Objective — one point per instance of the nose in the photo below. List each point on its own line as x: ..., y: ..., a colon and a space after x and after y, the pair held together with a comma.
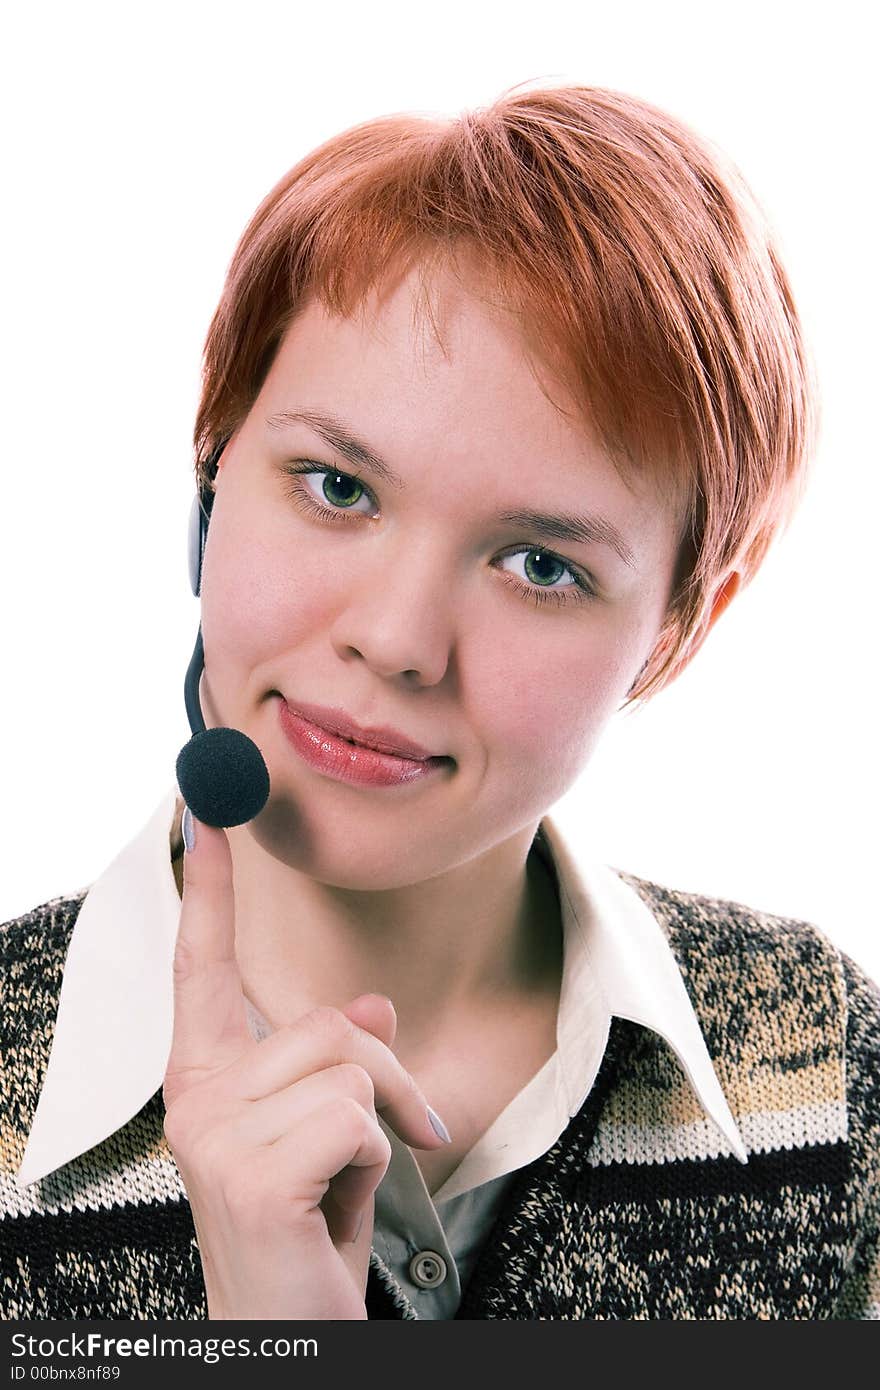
x: 398, y: 618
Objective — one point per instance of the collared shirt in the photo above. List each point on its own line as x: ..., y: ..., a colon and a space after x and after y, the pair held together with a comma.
x: 115, y: 1017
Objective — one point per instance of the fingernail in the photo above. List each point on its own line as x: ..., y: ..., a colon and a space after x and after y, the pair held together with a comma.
x: 438, y: 1126
x: 189, y: 830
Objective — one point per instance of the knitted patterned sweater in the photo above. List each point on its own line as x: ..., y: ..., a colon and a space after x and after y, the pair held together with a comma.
x: 627, y: 1216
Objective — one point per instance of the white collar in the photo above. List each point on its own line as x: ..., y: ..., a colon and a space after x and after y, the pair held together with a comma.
x: 114, y: 1023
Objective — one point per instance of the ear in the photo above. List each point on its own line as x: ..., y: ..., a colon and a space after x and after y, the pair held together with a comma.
x: 725, y: 591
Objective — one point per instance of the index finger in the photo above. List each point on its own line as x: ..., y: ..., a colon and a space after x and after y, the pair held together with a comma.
x: 325, y: 1038
x: 210, y: 1021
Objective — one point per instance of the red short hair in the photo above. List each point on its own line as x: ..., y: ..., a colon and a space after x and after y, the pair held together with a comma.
x: 636, y: 260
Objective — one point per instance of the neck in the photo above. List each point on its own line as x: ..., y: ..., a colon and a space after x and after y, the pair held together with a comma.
x: 477, y: 939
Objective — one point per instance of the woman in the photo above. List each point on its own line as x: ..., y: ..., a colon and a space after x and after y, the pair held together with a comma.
x: 498, y: 415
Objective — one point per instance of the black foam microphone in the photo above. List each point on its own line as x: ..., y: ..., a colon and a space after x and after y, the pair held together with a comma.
x: 221, y: 773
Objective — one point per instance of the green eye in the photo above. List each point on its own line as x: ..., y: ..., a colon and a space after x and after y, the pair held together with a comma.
x: 544, y: 562
x: 336, y: 483
x: 542, y: 570
x: 340, y: 491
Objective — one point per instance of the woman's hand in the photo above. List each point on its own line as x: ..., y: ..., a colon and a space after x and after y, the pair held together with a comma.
x: 277, y: 1141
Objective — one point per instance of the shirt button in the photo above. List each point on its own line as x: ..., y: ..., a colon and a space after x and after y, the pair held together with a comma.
x: 427, y: 1269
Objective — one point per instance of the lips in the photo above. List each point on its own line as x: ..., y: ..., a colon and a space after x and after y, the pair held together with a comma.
x: 381, y: 738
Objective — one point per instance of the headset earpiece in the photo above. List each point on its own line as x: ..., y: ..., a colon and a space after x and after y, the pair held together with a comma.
x: 199, y: 517
x: 195, y: 546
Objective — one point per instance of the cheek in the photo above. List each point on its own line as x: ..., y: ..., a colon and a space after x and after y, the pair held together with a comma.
x: 254, y: 603
x: 543, y: 705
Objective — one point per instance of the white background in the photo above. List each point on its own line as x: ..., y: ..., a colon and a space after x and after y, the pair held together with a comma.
x: 138, y: 142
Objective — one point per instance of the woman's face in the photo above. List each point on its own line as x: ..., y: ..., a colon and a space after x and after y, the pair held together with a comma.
x: 415, y: 603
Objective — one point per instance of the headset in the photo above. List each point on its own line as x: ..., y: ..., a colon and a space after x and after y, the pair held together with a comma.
x: 221, y: 772
x: 199, y: 520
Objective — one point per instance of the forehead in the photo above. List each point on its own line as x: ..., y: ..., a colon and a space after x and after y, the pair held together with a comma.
x: 432, y: 364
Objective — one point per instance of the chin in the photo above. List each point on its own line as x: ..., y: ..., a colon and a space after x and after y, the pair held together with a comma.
x: 339, y: 852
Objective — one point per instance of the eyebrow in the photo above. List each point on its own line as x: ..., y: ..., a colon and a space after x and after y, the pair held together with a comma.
x: 589, y: 529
